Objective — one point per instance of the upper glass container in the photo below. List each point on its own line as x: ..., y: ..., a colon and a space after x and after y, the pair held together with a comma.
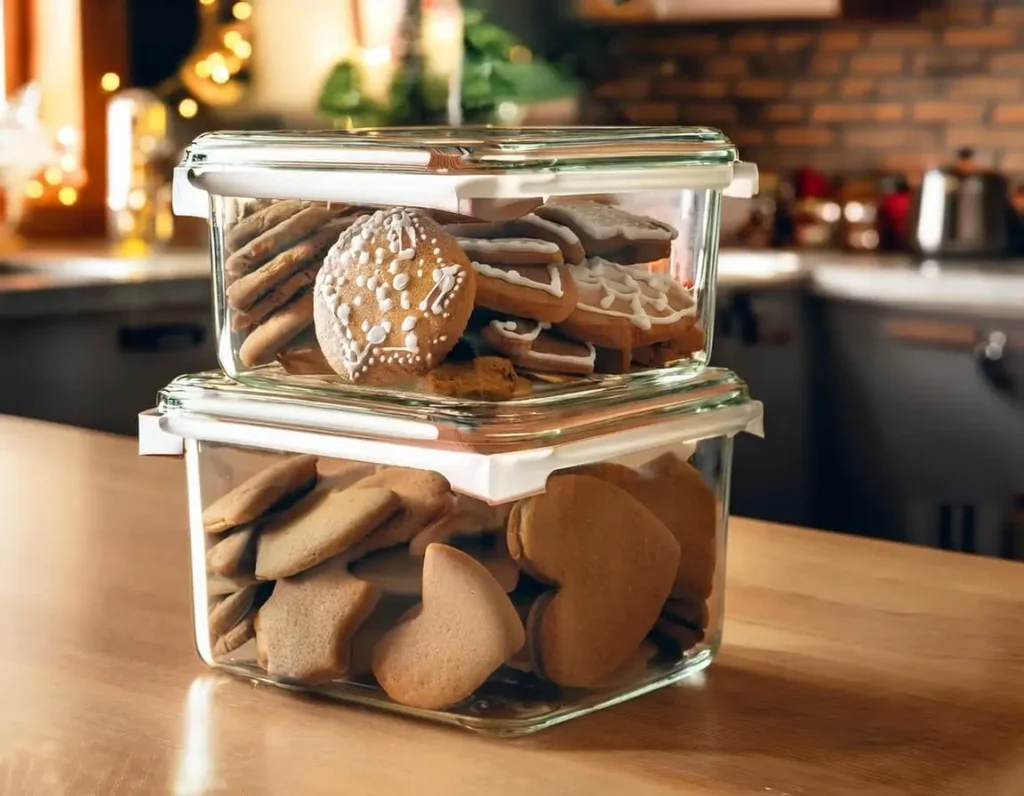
x: 443, y: 265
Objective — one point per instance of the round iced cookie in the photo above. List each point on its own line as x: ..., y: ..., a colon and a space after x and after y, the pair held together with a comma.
x: 393, y: 296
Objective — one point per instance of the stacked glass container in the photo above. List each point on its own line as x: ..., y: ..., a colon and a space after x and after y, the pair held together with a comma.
x: 465, y: 460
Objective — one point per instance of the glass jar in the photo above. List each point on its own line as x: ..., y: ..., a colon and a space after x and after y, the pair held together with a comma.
x: 392, y: 260
x: 502, y: 571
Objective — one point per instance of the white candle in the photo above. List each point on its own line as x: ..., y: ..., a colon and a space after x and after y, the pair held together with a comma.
x: 294, y: 50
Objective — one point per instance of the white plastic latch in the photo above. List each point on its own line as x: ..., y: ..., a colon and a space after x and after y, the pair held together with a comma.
x: 186, y: 198
x: 153, y: 440
x: 744, y: 183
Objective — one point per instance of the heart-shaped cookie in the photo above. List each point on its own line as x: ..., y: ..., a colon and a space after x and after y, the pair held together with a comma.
x: 445, y: 648
x: 613, y: 562
x: 678, y: 495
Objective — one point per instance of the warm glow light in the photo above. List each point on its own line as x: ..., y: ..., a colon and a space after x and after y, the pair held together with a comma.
x: 215, y: 59
x: 109, y: 82
x: 33, y: 189
x: 203, y: 69
x: 68, y: 162
x: 241, y: 10
x: 207, y: 2
x: 67, y: 195
x: 519, y: 54
x: 243, y: 49
x: 376, y: 56
x: 188, y: 107
x: 66, y: 135
x: 136, y: 199
x: 53, y: 175
x: 220, y: 74
x: 232, y: 38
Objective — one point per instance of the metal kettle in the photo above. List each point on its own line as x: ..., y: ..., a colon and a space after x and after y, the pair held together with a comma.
x: 963, y: 210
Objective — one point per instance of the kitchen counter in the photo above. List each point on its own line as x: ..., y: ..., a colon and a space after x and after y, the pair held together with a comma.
x: 899, y: 280
x: 849, y: 667
x: 95, y: 277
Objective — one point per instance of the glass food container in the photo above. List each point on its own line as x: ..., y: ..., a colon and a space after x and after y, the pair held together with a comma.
x: 498, y: 570
x: 393, y: 260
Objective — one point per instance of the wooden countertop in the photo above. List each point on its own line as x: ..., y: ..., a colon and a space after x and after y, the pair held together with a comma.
x: 849, y: 667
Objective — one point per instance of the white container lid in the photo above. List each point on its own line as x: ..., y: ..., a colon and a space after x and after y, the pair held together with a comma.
x: 495, y: 456
x: 473, y: 171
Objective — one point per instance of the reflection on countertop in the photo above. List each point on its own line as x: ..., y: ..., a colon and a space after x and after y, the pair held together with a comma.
x: 99, y: 277
x: 981, y: 286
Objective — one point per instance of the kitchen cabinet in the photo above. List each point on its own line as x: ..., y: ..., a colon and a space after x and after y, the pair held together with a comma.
x: 99, y: 369
x: 697, y: 10
x: 920, y: 424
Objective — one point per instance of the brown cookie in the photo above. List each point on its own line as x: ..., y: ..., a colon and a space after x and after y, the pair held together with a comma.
x: 611, y: 584
x: 259, y: 221
x: 613, y: 360
x: 320, y: 526
x: 305, y: 361
x: 465, y: 516
x: 393, y: 297
x: 278, y: 238
x: 483, y: 378
x: 230, y: 610
x: 660, y: 355
x: 543, y: 292
x: 609, y: 232
x: 511, y: 251
x: 235, y: 637
x: 277, y: 297
x: 257, y: 495
x: 424, y: 495
x: 677, y: 494
x: 304, y: 630
x: 687, y: 611
x: 680, y: 635
x: 531, y: 346
x: 625, y: 306
x: 397, y: 572
x: 528, y: 226
x: 218, y: 585
x: 269, y: 281
x: 633, y: 669
x: 234, y: 555
x: 270, y: 337
x: 444, y: 649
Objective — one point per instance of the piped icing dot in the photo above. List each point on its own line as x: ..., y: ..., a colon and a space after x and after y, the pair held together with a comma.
x: 400, y: 282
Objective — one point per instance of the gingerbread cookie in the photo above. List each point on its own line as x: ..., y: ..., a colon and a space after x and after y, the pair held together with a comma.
x: 278, y: 238
x: 235, y: 637
x: 393, y: 297
x: 270, y: 337
x: 624, y: 306
x: 677, y: 494
x: 660, y: 355
x: 319, y: 527
x: 530, y: 226
x: 230, y: 610
x: 444, y: 649
x: 257, y: 495
x: 260, y: 220
x: 531, y: 346
x: 611, y: 585
x: 398, y: 572
x: 609, y: 232
x: 544, y: 292
x: 218, y: 585
x: 483, y: 378
x: 465, y: 517
x: 304, y: 630
x: 234, y: 555
x: 424, y: 496
x: 511, y: 251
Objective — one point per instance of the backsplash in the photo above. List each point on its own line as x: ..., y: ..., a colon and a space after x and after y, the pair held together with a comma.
x: 838, y: 95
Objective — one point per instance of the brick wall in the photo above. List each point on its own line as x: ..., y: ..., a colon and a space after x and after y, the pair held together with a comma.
x: 840, y: 95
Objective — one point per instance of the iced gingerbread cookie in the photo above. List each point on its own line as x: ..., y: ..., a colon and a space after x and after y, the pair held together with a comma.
x: 614, y: 234
x: 529, y: 226
x: 521, y: 276
x: 531, y: 346
x: 393, y: 296
x: 611, y: 584
x: 624, y: 306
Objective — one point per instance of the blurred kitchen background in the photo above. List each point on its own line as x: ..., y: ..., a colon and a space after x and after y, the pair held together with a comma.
x: 872, y: 295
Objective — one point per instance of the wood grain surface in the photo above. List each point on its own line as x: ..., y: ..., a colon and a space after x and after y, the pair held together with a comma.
x: 849, y: 667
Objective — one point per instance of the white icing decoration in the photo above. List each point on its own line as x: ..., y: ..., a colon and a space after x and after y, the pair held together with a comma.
x: 602, y: 284
x: 409, y: 323
x: 343, y: 312
x: 412, y: 343
x: 400, y: 282
x: 514, y: 277
x: 366, y: 326
x: 371, y: 283
x: 361, y: 280
x: 387, y: 325
x: 381, y: 292
x: 603, y: 221
x: 515, y: 245
x: 444, y: 283
x: 387, y: 305
x: 508, y: 329
x: 419, y: 271
x: 364, y: 258
x: 406, y: 254
x: 393, y: 268
x: 562, y: 231
x: 406, y: 303
x: 357, y: 301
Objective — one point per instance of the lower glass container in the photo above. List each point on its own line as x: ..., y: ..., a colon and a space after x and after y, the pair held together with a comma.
x: 381, y: 571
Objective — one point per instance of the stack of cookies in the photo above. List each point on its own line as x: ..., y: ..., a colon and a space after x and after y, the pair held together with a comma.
x: 332, y: 571
x: 563, y: 292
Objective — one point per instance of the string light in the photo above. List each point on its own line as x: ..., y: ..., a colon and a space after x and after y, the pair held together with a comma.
x: 188, y: 107
x: 33, y: 189
x: 241, y: 10
x: 243, y: 49
x: 220, y: 74
x: 232, y: 38
x: 68, y: 162
x: 66, y: 135
x: 111, y: 81
x: 67, y: 195
x: 203, y: 69
x: 53, y: 175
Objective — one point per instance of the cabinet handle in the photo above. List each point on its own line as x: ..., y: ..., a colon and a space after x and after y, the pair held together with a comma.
x: 160, y: 337
x: 990, y: 356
